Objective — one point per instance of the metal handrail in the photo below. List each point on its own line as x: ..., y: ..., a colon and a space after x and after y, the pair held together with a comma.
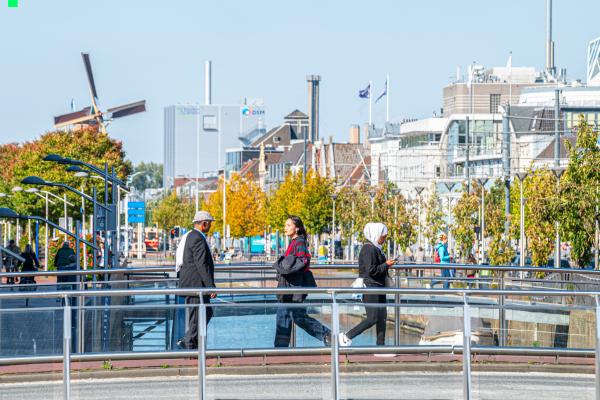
x: 257, y: 267
x: 12, y: 254
x: 335, y: 349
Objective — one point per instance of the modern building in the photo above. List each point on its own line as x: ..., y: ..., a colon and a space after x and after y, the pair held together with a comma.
x: 196, y: 136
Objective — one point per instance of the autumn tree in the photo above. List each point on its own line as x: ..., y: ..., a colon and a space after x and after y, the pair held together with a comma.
x: 435, y: 219
x: 540, y: 215
x: 21, y: 160
x: 172, y: 211
x: 245, y: 213
x: 580, y: 193
x: 285, y: 200
x: 316, y: 203
x: 465, y: 214
x: 500, y: 250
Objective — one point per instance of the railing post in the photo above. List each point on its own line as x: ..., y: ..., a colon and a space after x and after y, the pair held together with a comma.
x: 67, y: 349
x: 397, y: 310
x: 597, y: 348
x: 335, y: 347
x: 201, y: 348
x: 466, y: 349
x: 501, y: 315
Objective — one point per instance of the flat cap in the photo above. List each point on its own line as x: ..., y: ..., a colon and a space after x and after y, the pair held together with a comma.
x: 202, y: 216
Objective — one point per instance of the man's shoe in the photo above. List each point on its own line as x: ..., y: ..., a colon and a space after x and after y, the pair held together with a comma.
x: 327, y: 339
x: 181, y: 344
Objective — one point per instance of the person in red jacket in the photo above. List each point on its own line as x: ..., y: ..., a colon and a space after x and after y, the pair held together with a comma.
x: 293, y: 270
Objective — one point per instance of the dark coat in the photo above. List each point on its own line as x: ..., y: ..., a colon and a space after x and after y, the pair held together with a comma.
x: 63, y: 257
x: 31, y: 262
x: 198, y: 269
x: 372, y: 266
x: 293, y: 271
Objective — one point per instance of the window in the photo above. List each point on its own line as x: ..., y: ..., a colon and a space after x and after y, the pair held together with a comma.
x: 494, y: 103
x: 209, y: 122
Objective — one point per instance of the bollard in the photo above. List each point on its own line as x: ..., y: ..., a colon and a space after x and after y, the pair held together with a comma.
x: 201, y: 348
x: 466, y: 349
x: 335, y: 347
x: 67, y: 349
x: 397, y: 310
x: 597, y: 348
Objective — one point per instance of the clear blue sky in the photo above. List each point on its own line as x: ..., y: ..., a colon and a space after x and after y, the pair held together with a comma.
x: 155, y: 50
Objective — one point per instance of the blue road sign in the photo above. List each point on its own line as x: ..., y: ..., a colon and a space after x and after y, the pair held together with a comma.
x: 136, y: 212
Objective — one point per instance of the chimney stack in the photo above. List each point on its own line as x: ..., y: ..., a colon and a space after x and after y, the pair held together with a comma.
x: 313, y: 107
x: 355, y: 134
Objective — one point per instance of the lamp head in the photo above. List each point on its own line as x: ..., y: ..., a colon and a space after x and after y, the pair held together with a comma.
x: 53, y: 158
x: 8, y: 213
x: 33, y: 180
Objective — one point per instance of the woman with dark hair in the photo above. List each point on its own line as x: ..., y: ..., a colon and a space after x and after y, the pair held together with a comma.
x: 293, y: 270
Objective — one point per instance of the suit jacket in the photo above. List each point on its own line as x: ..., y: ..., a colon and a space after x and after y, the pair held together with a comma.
x: 198, y: 269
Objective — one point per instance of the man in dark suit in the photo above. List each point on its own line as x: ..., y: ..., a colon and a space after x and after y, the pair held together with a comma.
x: 197, y: 271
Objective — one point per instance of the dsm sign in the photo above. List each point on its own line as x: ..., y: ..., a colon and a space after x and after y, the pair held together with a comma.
x: 252, y: 111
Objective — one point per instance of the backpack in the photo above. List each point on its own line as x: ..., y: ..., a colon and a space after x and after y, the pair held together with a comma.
x: 436, y: 256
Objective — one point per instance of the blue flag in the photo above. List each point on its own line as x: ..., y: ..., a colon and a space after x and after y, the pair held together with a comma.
x: 365, y: 93
x: 383, y: 93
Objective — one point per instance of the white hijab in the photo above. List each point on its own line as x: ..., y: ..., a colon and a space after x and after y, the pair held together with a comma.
x: 373, y: 231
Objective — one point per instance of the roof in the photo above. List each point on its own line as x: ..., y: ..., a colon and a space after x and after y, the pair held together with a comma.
x: 548, y: 152
x: 286, y: 133
x: 296, y: 114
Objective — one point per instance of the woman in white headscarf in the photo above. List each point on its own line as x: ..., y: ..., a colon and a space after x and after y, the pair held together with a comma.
x: 373, y: 269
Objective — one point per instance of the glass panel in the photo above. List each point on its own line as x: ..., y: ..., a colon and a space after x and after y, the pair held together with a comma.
x: 363, y: 376
x: 264, y: 325
x: 29, y: 328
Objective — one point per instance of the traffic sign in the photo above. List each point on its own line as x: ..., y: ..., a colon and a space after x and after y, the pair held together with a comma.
x: 136, y: 212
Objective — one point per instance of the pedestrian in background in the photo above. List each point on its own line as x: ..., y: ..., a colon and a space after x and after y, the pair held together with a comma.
x: 373, y: 269
x: 197, y: 271
x: 12, y: 263
x: 441, y: 253
x: 31, y: 264
x: 293, y: 270
x: 65, y: 260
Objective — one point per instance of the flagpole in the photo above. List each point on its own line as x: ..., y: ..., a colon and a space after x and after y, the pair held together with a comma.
x: 387, y: 99
x: 370, y: 100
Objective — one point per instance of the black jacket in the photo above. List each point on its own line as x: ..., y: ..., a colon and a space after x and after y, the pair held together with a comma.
x: 31, y: 262
x: 371, y: 265
x: 198, y: 269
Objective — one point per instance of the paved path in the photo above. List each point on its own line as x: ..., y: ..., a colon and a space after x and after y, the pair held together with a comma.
x: 430, y: 386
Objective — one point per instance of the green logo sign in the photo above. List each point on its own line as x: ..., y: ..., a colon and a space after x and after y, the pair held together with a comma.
x: 13, y: 3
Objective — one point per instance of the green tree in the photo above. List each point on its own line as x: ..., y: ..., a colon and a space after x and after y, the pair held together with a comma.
x: 285, y: 200
x: 435, y: 221
x: 316, y: 200
x: 579, y: 193
x: 172, y: 211
x: 151, y: 176
x: 540, y: 215
x: 352, y: 211
x: 500, y: 250
x: 465, y: 220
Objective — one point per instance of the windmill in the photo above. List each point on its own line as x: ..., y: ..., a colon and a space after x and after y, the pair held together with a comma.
x: 92, y: 115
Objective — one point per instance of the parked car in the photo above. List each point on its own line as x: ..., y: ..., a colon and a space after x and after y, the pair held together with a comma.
x: 564, y: 263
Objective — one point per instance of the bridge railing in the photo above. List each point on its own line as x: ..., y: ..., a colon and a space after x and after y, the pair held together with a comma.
x: 466, y: 311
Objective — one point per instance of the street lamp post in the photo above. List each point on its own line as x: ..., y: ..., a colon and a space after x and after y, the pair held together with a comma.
x: 558, y: 172
x: 482, y: 182
x: 34, y: 180
x: 521, y: 176
x: 333, y: 197
x: 419, y: 190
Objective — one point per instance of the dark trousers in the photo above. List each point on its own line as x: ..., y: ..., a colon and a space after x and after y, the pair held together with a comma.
x: 375, y: 316
x: 190, y: 340
x: 286, y: 316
